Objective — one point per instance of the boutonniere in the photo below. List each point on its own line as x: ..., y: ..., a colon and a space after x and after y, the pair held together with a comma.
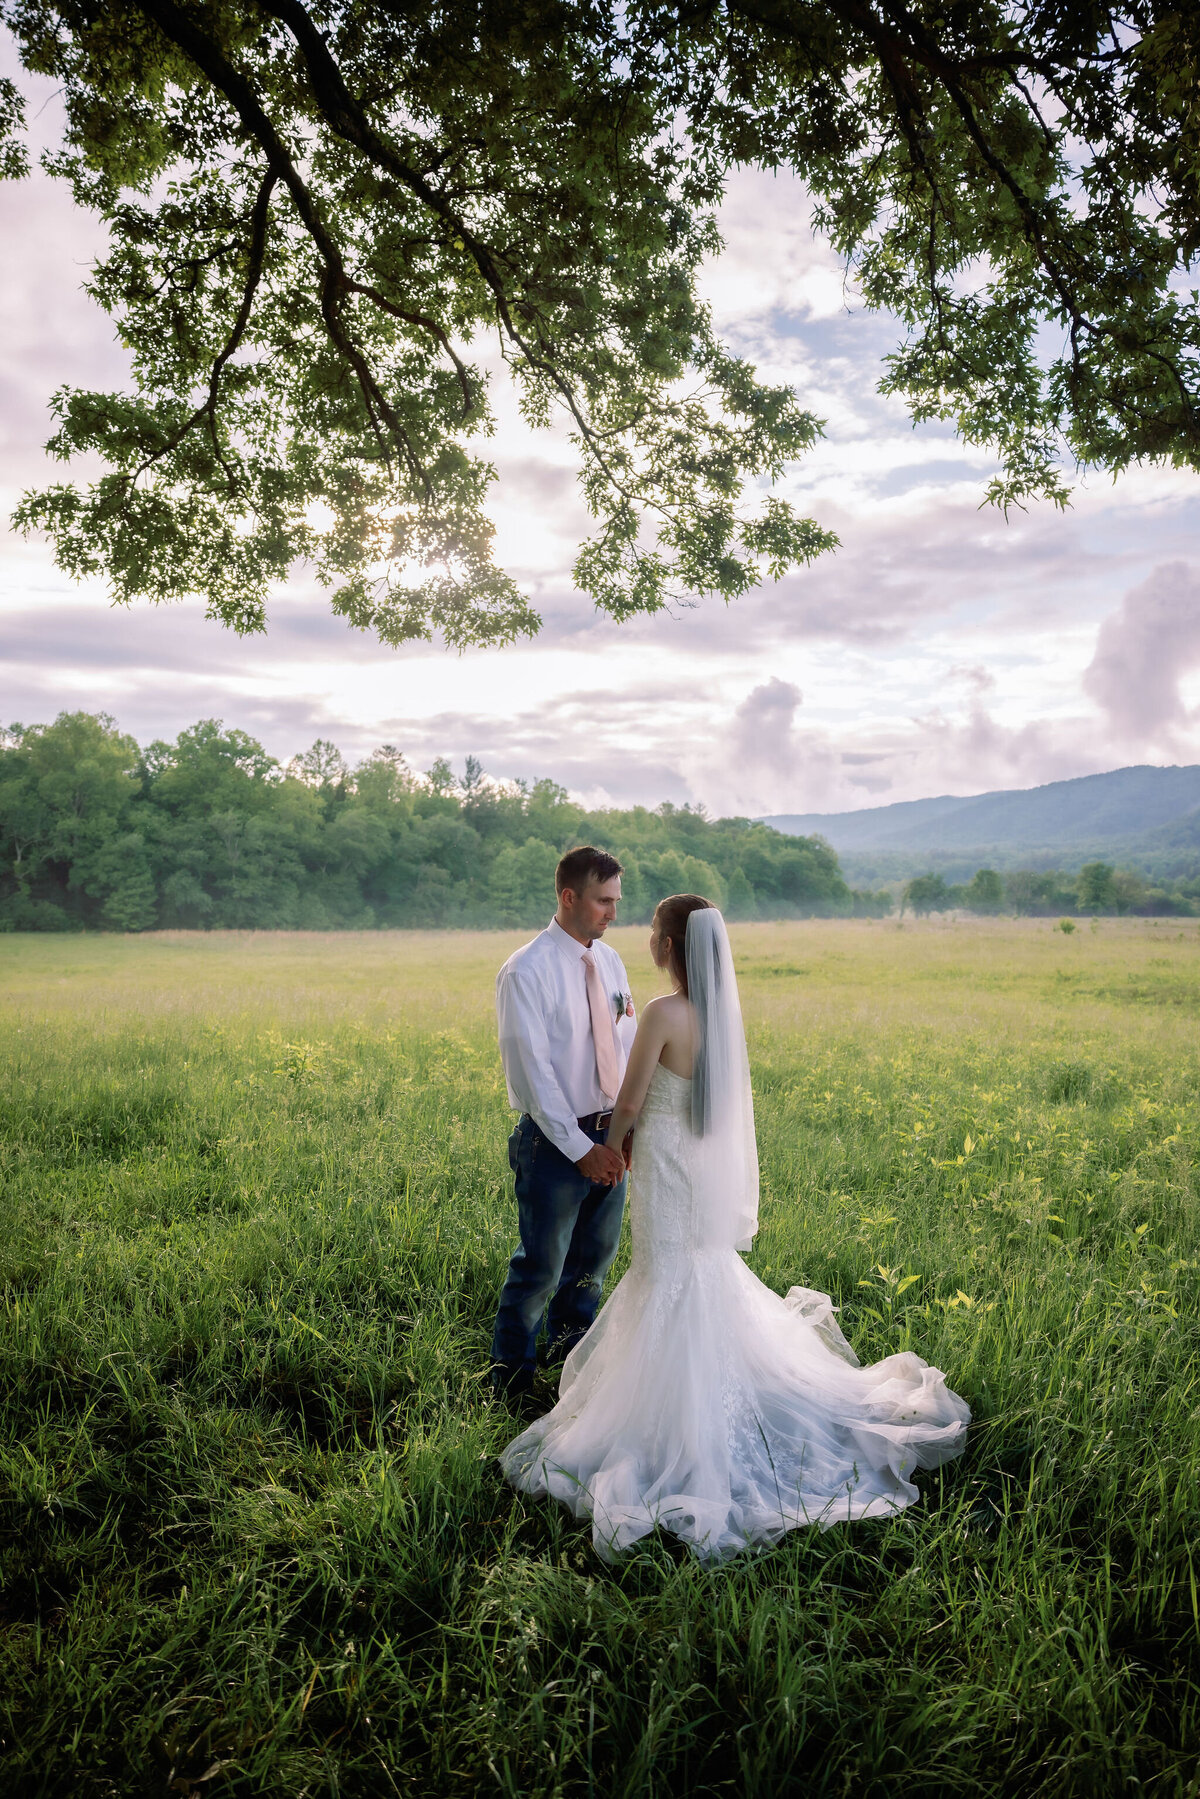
x: 623, y: 1006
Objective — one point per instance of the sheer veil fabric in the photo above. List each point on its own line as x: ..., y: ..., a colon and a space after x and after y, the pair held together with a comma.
x: 700, y: 1401
x: 724, y: 1169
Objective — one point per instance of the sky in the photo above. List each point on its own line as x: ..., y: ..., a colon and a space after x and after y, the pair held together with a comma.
x: 941, y: 649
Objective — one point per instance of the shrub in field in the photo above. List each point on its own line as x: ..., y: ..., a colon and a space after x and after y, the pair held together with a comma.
x: 928, y: 893
x: 1068, y: 1081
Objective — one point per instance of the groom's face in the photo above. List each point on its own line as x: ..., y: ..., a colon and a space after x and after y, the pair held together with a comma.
x: 594, y: 907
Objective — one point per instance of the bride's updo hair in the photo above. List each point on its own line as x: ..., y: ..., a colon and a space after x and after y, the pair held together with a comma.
x: 671, y: 916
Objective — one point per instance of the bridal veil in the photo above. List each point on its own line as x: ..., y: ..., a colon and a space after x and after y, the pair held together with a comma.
x: 725, y: 1155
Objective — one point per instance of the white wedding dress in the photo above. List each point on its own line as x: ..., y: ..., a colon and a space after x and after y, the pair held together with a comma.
x: 702, y: 1402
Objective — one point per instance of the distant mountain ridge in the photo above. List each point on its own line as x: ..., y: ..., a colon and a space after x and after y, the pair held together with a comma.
x: 1146, y: 815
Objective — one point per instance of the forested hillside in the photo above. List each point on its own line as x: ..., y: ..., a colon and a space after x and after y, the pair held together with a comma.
x: 210, y: 831
x: 1147, y: 818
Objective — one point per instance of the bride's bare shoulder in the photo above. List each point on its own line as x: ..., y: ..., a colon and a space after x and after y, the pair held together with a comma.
x: 667, y: 1006
x: 670, y: 1013
x: 672, y: 1032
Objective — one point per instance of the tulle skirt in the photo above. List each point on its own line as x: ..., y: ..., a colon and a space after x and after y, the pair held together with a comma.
x: 702, y: 1402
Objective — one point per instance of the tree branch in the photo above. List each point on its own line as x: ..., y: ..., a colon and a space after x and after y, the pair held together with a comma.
x: 181, y: 30
x: 424, y: 323
x: 346, y: 117
x: 258, y: 245
x: 913, y: 40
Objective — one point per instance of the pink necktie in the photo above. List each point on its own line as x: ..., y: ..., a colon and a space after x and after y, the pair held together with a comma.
x: 600, y: 1007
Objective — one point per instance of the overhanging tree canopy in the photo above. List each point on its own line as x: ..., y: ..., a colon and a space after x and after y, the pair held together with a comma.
x: 320, y: 214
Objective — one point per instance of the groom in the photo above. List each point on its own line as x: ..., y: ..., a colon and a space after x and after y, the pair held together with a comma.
x: 566, y: 1023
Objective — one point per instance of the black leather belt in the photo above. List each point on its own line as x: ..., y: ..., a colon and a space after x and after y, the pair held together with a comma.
x: 595, y: 1121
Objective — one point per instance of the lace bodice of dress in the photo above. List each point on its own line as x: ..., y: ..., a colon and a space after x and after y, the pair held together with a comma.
x: 660, y: 1187
x: 668, y: 1092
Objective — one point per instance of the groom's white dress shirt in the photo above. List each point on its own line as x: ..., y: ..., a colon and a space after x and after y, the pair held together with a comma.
x: 546, y: 1041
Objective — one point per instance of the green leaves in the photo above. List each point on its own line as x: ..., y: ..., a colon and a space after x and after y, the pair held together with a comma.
x: 318, y: 219
x: 310, y: 230
x: 14, y: 159
x: 210, y: 831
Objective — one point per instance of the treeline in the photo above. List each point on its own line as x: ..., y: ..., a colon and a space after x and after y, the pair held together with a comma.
x: 212, y: 832
x: 1098, y: 888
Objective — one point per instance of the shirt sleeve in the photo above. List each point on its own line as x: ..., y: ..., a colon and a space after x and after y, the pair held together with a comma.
x: 525, y: 1053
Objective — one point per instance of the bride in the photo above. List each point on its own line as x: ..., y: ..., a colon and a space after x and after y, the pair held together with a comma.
x: 699, y: 1400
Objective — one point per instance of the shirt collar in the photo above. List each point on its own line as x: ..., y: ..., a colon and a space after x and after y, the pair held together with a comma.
x: 570, y: 946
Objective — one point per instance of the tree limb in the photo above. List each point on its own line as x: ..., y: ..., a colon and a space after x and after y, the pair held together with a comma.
x: 258, y: 244
x: 346, y: 117
x: 181, y: 30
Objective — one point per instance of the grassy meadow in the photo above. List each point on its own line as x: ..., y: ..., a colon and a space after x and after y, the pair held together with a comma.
x: 256, y: 1214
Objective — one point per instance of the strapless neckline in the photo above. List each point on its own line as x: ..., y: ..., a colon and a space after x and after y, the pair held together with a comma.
x: 684, y: 1079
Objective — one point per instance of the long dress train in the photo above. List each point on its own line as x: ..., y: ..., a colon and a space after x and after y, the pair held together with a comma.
x: 702, y: 1402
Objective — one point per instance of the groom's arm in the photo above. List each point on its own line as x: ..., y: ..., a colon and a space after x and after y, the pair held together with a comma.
x: 525, y: 1053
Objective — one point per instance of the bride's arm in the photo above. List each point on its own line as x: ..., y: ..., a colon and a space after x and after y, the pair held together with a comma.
x: 643, y: 1059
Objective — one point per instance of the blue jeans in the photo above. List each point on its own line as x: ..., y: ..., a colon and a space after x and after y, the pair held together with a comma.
x: 570, y: 1228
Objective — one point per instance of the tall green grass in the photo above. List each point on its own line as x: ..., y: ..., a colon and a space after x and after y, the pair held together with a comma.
x: 255, y: 1218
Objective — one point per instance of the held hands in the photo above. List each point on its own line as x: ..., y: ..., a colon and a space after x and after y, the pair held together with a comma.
x: 602, y: 1164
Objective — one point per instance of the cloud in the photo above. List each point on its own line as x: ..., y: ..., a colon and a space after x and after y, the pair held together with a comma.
x: 625, y: 755
x: 765, y: 760
x: 760, y: 751
x: 54, y: 335
x: 974, y: 676
x: 763, y: 725
x: 178, y: 639
x: 773, y: 260
x: 1142, y: 651
x: 631, y: 742
x: 896, y: 573
x: 978, y: 751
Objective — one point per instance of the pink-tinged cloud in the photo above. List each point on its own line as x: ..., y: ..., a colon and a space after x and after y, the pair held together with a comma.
x: 1142, y: 652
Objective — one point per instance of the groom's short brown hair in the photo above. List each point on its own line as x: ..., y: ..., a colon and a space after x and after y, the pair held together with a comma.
x: 586, y: 863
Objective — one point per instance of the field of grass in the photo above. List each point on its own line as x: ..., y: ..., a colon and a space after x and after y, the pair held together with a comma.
x: 255, y: 1218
